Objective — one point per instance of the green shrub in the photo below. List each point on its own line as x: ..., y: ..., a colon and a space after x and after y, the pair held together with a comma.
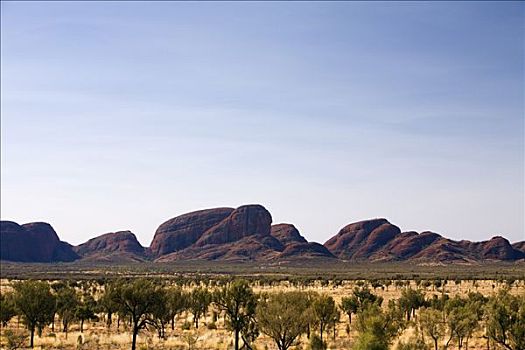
x: 413, y: 343
x: 316, y: 343
x: 15, y: 340
x: 367, y: 341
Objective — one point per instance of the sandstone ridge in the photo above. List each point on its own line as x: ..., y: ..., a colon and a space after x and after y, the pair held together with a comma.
x: 246, y: 233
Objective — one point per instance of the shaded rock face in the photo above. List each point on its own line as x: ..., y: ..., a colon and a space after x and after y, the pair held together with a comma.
x: 184, y: 230
x: 213, y: 234
x: 122, y: 245
x: 443, y: 250
x: 360, y: 240
x: 408, y: 244
x: 287, y: 234
x: 446, y: 250
x: 519, y: 246
x: 34, y: 242
x: 497, y: 248
x: 246, y: 234
x: 294, y: 245
x: 306, y: 250
x: 378, y: 240
x: 244, y: 221
x: 249, y: 248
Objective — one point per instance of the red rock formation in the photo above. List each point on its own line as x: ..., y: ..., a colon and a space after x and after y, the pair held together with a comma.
x: 378, y: 240
x: 244, y: 221
x: 443, y: 250
x: 519, y: 246
x: 184, y: 230
x: 497, y: 248
x: 246, y: 234
x: 115, y: 246
x: 360, y: 240
x: 287, y: 234
x: 249, y: 248
x: 34, y: 242
x: 223, y: 233
x: 305, y: 250
x: 408, y: 244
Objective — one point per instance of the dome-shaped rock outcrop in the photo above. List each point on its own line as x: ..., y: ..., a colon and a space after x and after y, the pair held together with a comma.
x: 33, y: 242
x: 184, y: 230
x: 113, y: 246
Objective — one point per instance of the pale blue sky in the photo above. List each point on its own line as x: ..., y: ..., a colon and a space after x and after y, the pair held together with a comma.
x: 120, y: 115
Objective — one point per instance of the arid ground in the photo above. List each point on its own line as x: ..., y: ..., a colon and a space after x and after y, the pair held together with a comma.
x: 387, y: 283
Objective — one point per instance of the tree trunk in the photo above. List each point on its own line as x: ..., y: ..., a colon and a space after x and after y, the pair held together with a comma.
x: 173, y: 323
x: 31, y: 341
x: 308, y: 331
x: 81, y: 325
x: 134, y: 341
x: 435, y: 344
x: 321, y: 328
x: 236, y: 340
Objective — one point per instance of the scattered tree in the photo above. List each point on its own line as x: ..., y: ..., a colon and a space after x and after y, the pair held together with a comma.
x: 239, y: 303
x: 36, y: 304
x: 360, y: 297
x: 324, y: 311
x: 67, y: 306
x: 432, y: 324
x: 282, y: 317
x: 7, y: 308
x: 377, y: 328
x: 137, y: 299
x: 199, y: 301
x: 85, y: 311
x: 176, y: 303
x: 107, y: 304
x: 506, y: 320
x: 410, y: 301
x: 160, y: 313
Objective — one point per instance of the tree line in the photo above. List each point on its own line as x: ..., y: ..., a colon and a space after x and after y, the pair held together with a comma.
x: 440, y: 321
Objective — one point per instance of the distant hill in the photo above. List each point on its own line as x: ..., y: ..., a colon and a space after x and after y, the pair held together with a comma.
x: 247, y: 234
x: 119, y: 246
x: 34, y: 242
x: 379, y: 240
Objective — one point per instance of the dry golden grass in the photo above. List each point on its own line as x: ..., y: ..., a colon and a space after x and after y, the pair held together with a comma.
x: 97, y: 336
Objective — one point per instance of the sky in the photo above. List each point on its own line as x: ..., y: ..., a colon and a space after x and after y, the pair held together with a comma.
x: 121, y: 115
